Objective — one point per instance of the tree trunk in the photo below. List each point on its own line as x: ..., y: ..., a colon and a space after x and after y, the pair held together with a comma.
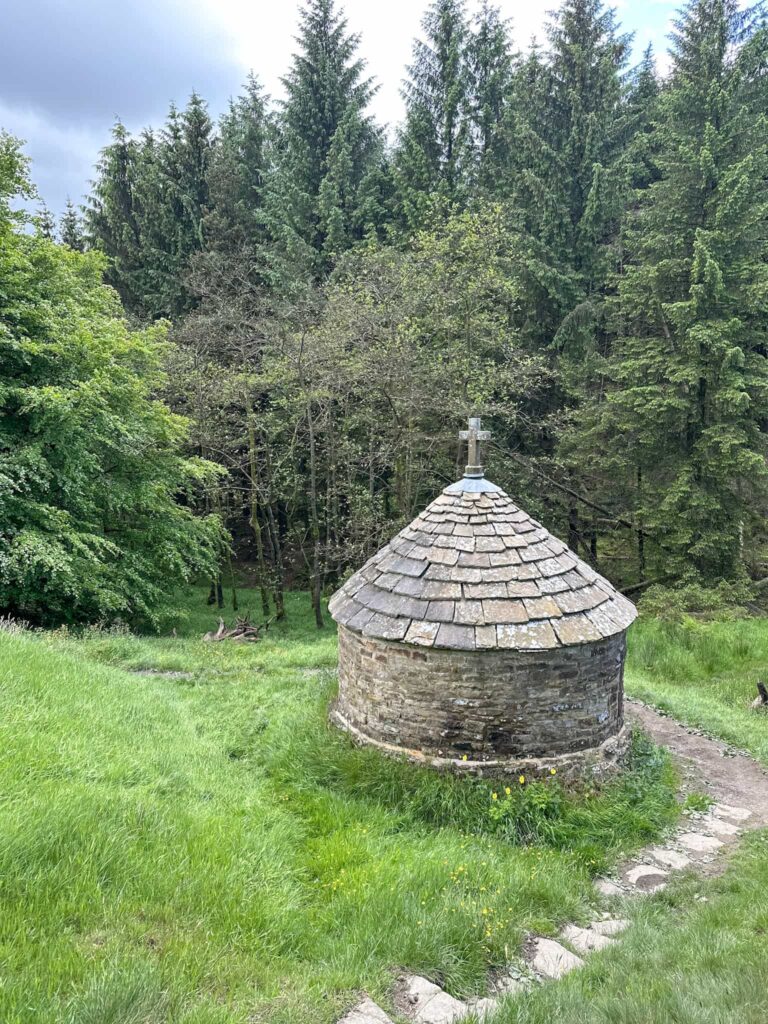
x: 254, y: 508
x: 316, y: 581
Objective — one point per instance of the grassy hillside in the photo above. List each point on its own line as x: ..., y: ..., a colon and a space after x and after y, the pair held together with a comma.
x: 705, y: 674
x: 203, y: 848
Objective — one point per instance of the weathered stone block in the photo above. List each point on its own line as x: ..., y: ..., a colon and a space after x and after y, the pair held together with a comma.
x: 495, y: 703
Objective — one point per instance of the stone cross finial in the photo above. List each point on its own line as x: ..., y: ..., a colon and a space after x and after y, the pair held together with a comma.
x: 474, y: 436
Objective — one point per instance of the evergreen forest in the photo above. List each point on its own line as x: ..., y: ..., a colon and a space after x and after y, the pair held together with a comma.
x: 256, y: 341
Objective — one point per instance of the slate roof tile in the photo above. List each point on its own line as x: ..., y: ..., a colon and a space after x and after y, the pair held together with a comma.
x: 474, y: 572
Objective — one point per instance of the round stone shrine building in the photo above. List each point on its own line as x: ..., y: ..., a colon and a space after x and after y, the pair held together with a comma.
x: 476, y: 640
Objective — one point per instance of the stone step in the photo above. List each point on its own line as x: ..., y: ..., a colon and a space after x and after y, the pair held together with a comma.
x: 366, y: 1012
x: 669, y: 858
x: 610, y: 926
x: 484, y: 1008
x: 719, y: 826
x: 699, y: 843
x: 427, y: 1003
x: 728, y: 811
x: 551, y: 960
x: 511, y: 983
x: 584, y: 940
x: 607, y: 887
x: 646, y: 879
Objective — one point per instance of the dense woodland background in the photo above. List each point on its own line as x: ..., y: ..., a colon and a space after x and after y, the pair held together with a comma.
x: 566, y: 245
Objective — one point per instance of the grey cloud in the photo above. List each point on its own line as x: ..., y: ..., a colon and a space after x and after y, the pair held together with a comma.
x: 85, y: 60
x: 69, y: 67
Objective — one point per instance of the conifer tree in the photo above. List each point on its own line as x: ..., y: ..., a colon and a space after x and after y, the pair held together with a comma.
x: 146, y: 210
x: 71, y: 228
x: 489, y: 68
x: 324, y: 133
x: 587, y: 58
x: 111, y: 221
x: 45, y: 223
x: 237, y: 174
x: 691, y: 371
x: 640, y: 110
x: 180, y: 173
x: 434, y: 152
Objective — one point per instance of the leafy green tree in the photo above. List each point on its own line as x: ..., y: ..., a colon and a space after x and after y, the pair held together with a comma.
x: 95, y: 503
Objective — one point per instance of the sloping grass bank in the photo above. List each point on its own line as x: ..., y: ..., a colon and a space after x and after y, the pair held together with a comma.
x: 201, y: 849
x: 705, y: 674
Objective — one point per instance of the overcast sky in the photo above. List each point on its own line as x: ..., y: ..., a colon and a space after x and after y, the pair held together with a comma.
x: 70, y: 67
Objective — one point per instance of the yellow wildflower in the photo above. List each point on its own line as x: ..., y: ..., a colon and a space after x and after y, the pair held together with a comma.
x: 522, y: 779
x: 553, y: 771
x: 495, y: 796
x: 508, y: 791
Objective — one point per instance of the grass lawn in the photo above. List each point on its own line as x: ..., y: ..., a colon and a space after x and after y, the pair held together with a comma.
x: 204, y: 848
x: 686, y: 960
x: 705, y: 674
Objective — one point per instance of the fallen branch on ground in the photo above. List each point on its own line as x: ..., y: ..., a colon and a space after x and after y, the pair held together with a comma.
x: 242, y: 632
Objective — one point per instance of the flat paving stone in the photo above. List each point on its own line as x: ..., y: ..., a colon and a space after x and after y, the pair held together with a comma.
x: 366, y: 1012
x: 669, y: 858
x: 610, y: 926
x: 729, y: 811
x: 483, y: 1008
x: 608, y: 888
x: 719, y: 826
x: 511, y: 984
x: 552, y: 960
x: 646, y: 878
x: 699, y: 843
x: 584, y: 940
x: 429, y: 1004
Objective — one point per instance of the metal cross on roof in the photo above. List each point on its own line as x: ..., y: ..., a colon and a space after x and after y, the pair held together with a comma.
x: 474, y: 436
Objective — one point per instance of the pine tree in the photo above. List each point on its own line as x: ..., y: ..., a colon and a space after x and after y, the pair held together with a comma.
x: 183, y: 158
x: 325, y: 133
x: 434, y: 151
x: 489, y: 68
x: 343, y: 188
x: 111, y: 222
x: 691, y: 371
x: 640, y: 110
x: 71, y: 228
x: 45, y: 223
x: 237, y: 174
x: 587, y: 58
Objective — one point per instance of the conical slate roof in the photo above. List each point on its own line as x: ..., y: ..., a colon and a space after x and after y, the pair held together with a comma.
x: 475, y: 572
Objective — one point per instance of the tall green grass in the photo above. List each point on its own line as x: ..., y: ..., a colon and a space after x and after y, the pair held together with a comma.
x: 697, y: 954
x: 207, y: 849
x: 704, y: 673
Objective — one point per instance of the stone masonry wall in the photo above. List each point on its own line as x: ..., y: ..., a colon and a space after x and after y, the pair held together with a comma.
x: 482, y: 704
